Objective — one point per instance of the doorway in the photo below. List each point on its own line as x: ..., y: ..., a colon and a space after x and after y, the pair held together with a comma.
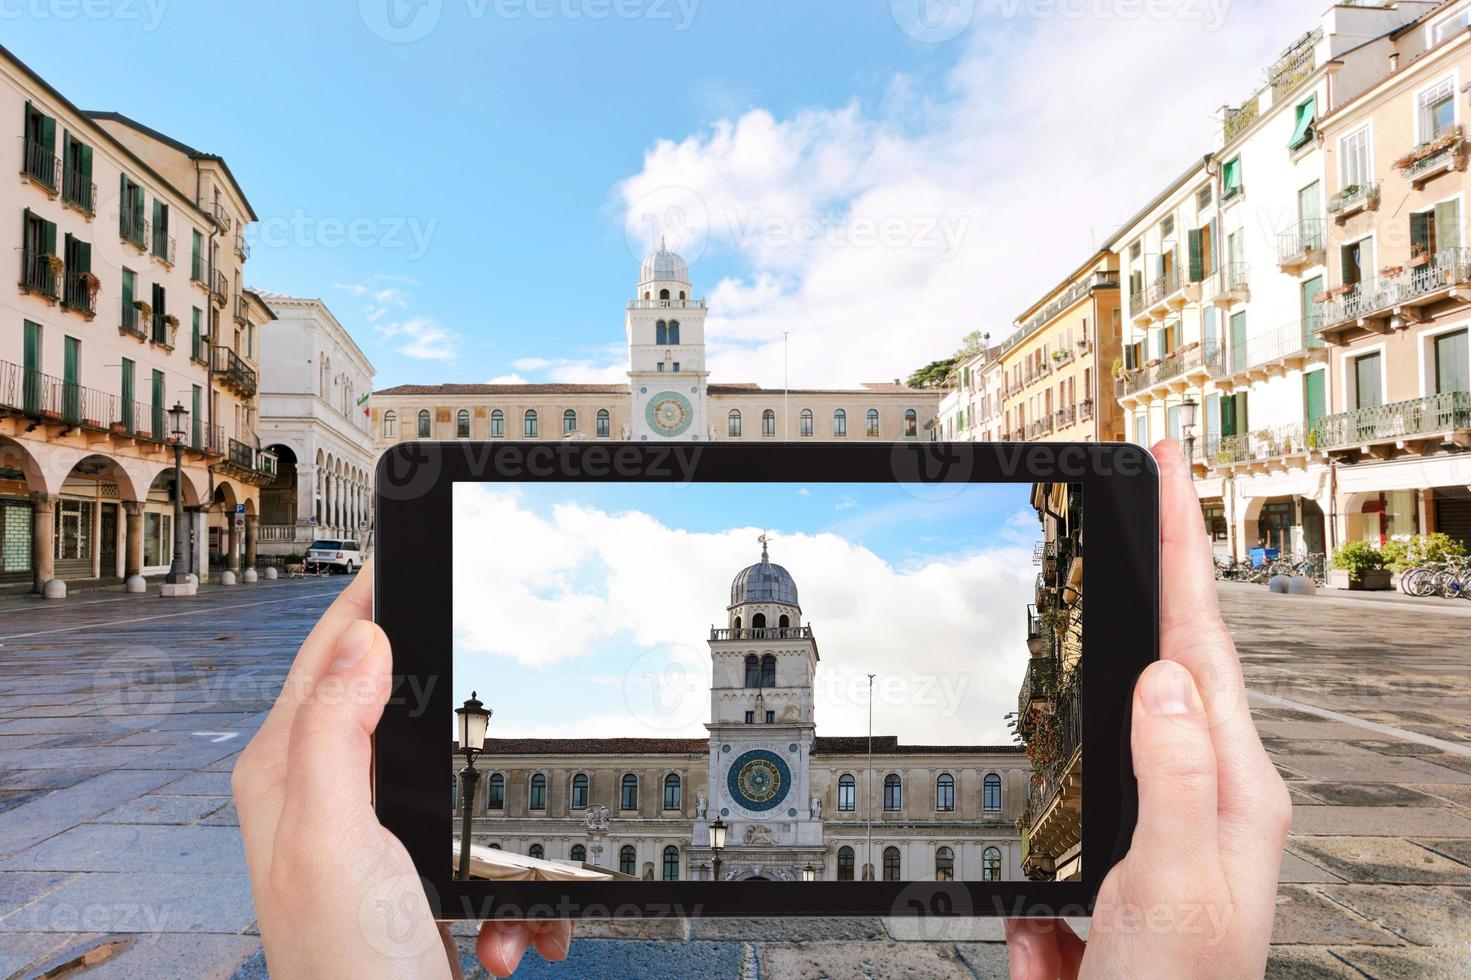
x: 107, y: 543
x: 1274, y: 526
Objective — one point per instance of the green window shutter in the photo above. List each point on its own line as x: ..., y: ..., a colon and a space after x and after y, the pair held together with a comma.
x: 1348, y: 270
x: 196, y: 416
x: 48, y: 133
x: 32, y: 346
x: 122, y: 203
x: 1314, y: 396
x: 50, y: 240
x: 1212, y: 416
x: 127, y: 380
x: 85, y: 153
x: 1242, y: 419
x: 1307, y: 112
x: 127, y: 288
x: 157, y: 213
x: 1447, y: 226
x: 1451, y: 363
x: 1420, y: 230
x: 1197, y: 256
x: 71, y: 361
x: 1131, y: 361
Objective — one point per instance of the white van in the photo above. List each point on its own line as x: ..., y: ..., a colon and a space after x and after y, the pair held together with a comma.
x: 333, y: 554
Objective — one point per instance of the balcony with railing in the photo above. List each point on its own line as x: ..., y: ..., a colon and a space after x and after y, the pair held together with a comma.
x: 133, y: 229
x: 1294, y: 67
x: 1300, y: 246
x: 1039, y: 427
x: 162, y: 246
x: 242, y: 247
x: 763, y: 633
x: 79, y: 292
x: 1271, y: 354
x: 131, y: 322
x: 78, y: 191
x: 1353, y: 199
x: 1050, y: 821
x: 1085, y: 410
x: 1434, y: 419
x: 164, y: 329
x: 1232, y: 284
x: 1065, y: 417
x: 39, y: 165
x: 1158, y: 296
x: 1260, y: 448
x: 241, y: 454
x: 1441, y: 155
x: 1193, y: 363
x: 199, y: 349
x: 220, y: 214
x: 219, y: 292
x: 1397, y: 295
x: 666, y: 304
x: 1103, y: 279
x: 39, y: 273
x: 231, y: 370
x: 57, y: 401
x: 1038, y: 684
x: 242, y: 311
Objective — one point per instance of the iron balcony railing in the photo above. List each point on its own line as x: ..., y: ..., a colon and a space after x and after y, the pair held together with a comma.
x: 241, y: 455
x: 131, y: 323
x: 1354, y: 197
x: 242, y: 311
x: 265, y: 462
x: 196, y: 269
x: 40, y: 164
x: 199, y: 348
x: 1234, y: 276
x: 220, y: 291
x: 221, y: 216
x: 1408, y: 286
x: 242, y: 247
x: 133, y: 228
x: 1454, y: 146
x: 1074, y: 292
x: 666, y: 304
x: 1048, y: 773
x: 1039, y: 427
x: 1065, y: 417
x: 763, y: 633
x: 1432, y: 414
x: 79, y: 191
x: 37, y: 273
x: 1156, y: 291
x: 51, y: 399
x: 232, y: 369
x: 1206, y: 359
x: 1297, y: 243
x: 1260, y: 445
x: 78, y: 294
x: 163, y: 245
x: 1296, y: 337
x: 1038, y: 684
x: 1085, y: 410
x: 163, y: 330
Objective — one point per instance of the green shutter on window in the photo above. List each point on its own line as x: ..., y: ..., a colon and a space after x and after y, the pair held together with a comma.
x: 1348, y: 269
x: 1307, y: 113
x: 1228, y: 416
x: 1231, y: 176
x: 48, y: 133
x: 1314, y: 396
x: 1447, y: 226
x: 49, y: 244
x: 1197, y: 256
x: 85, y: 157
x: 83, y: 257
x: 1420, y: 231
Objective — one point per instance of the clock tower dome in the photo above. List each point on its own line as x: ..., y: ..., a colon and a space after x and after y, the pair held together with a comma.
x: 666, y: 353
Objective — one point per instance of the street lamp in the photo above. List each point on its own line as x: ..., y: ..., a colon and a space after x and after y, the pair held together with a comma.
x: 1187, y: 423
x: 809, y: 873
x: 177, y: 415
x: 474, y: 719
x: 717, y: 843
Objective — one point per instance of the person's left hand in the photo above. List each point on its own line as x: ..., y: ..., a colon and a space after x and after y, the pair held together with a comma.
x: 335, y: 893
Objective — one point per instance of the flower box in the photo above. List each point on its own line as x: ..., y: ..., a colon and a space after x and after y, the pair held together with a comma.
x: 119, y: 428
x: 91, y: 424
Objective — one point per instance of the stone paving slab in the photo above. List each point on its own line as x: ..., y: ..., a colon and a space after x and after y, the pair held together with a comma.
x: 1380, y: 859
x: 200, y: 784
x: 19, y: 952
x: 164, y: 810
x: 52, y: 814
x: 135, y: 848
x: 200, y: 957
x: 1305, y: 915
x: 1406, y: 964
x: 151, y: 903
x: 1425, y: 916
x: 1382, y: 821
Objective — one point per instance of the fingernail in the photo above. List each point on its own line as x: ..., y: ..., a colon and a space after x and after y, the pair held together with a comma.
x: 512, y: 942
x: 1169, y: 691
x: 1020, y: 961
x: 352, y: 646
x: 556, y: 942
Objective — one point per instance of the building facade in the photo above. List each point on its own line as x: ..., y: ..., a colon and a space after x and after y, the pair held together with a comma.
x: 850, y: 807
x: 669, y: 395
x: 314, y: 416
x: 113, y: 323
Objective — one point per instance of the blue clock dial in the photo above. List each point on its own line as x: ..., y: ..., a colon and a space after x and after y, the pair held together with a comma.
x: 759, y: 780
x: 669, y: 413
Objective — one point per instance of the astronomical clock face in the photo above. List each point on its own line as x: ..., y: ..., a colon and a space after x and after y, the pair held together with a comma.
x: 669, y: 413
x: 759, y: 780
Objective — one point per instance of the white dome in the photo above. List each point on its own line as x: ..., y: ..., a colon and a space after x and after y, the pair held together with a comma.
x: 664, y: 265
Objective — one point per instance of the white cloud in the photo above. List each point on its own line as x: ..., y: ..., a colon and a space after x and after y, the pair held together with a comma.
x: 507, y: 379
x: 420, y: 338
x: 945, y: 207
x: 596, y: 593
x: 603, y: 365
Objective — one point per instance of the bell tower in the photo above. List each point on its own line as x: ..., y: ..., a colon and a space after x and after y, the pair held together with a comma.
x: 665, y: 325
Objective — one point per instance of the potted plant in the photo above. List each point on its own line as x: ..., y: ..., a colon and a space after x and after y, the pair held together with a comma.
x: 1359, y: 565
x: 1390, y: 271
x: 171, y: 321
x: 118, y: 428
x: 1118, y: 367
x: 1057, y: 355
x: 54, y: 263
x: 144, y: 308
x: 1323, y: 296
x: 1419, y: 255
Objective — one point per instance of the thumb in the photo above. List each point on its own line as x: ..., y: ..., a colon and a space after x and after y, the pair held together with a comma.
x: 330, y: 753
x: 1175, y: 765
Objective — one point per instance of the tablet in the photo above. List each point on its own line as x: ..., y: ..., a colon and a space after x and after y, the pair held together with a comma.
x: 732, y: 680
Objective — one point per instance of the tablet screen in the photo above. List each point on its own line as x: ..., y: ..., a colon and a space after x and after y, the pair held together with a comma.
x: 768, y: 682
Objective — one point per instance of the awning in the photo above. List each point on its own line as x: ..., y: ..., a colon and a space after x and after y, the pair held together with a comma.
x: 1307, y: 114
x: 494, y: 864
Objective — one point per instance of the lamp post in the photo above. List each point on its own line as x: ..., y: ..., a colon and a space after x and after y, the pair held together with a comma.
x: 1187, y: 424
x: 717, y: 843
x: 177, y: 575
x: 474, y: 719
x: 809, y: 873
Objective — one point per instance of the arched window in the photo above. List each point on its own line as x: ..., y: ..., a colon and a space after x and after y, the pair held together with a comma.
x: 733, y: 424
x: 605, y: 424
x: 539, y: 792
x: 628, y: 799
x: 768, y: 423
x: 497, y: 424
x: 804, y: 425
x: 891, y: 864
x: 424, y: 423
x: 674, y: 332
x: 671, y: 863
x: 871, y: 423
x: 753, y: 671
x: 991, y: 864
x: 671, y: 792
x: 569, y: 422
x: 661, y: 333
x: 529, y: 424
x: 768, y: 670
x: 784, y: 621
x: 579, y: 792
x: 845, y: 864
x: 462, y: 424
x: 663, y: 294
x: 944, y: 864
x: 991, y: 793
x: 893, y: 792
x: 840, y: 423
x: 579, y: 853
x: 390, y: 424
x: 495, y: 792
x: 758, y: 621
x: 945, y: 793
x: 911, y: 423
x: 627, y: 860
x: 536, y: 851
x: 495, y: 847
x: 681, y: 294
x: 847, y: 793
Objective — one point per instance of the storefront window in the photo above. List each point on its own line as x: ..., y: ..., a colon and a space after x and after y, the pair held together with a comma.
x: 15, y: 536
x: 73, y: 529
x: 157, y: 539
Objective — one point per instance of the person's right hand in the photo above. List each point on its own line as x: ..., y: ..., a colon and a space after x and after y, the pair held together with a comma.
x: 1196, y: 894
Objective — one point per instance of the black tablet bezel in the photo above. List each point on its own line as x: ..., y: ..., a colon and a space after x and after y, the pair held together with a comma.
x: 413, y: 604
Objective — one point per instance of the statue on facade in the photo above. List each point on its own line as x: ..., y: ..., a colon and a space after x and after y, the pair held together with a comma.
x: 596, y: 819
x: 815, y: 805
x: 701, y: 805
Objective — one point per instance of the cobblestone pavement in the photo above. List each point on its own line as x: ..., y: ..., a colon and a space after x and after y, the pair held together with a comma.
x: 120, y: 718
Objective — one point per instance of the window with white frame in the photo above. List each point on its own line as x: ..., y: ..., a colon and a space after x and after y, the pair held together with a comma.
x: 1437, y: 109
x: 1458, y: 20
x: 1355, y: 162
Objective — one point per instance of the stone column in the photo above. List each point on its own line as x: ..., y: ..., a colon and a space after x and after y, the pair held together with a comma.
x: 43, y: 540
x: 200, y: 523
x: 232, y: 557
x: 250, y: 532
x: 133, y: 549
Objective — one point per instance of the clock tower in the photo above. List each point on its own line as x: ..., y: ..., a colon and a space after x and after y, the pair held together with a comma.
x: 762, y: 729
x: 666, y: 353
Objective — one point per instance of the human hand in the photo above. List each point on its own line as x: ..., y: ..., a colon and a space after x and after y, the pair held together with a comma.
x: 335, y: 893
x: 1196, y: 894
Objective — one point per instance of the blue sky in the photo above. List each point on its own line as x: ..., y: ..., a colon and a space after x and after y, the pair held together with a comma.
x: 497, y: 171
x: 585, y: 609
